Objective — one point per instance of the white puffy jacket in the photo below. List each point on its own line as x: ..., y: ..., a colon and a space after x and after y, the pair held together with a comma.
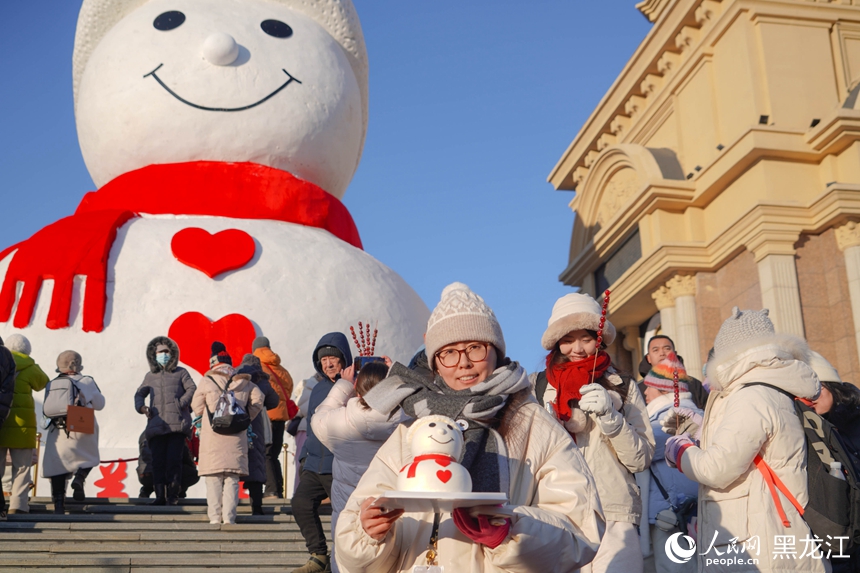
x: 352, y: 434
x: 740, y: 422
x: 614, y: 459
x: 557, y: 522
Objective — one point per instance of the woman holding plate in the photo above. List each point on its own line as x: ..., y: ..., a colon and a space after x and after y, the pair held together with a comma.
x: 512, y: 446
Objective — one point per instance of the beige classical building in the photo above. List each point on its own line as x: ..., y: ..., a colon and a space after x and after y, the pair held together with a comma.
x: 722, y: 168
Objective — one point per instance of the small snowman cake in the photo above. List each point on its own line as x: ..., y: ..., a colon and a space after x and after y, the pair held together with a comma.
x: 437, y: 444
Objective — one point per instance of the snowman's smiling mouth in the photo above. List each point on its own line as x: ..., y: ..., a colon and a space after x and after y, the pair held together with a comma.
x: 438, y: 442
x: 290, y: 79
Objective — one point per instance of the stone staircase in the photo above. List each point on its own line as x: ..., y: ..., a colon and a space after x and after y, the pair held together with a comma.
x: 124, y: 535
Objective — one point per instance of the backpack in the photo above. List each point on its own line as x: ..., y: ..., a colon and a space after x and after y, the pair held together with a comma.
x: 230, y: 417
x: 60, y: 393
x: 833, y: 508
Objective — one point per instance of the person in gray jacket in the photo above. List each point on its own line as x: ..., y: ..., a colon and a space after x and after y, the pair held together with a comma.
x: 168, y: 414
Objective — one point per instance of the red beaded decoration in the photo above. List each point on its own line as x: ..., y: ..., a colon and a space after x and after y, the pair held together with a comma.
x: 600, y: 330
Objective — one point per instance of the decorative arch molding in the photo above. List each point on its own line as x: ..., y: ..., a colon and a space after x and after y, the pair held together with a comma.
x: 618, y: 175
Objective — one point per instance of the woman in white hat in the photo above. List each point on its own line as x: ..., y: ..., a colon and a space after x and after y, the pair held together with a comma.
x: 511, y: 445
x: 605, y: 414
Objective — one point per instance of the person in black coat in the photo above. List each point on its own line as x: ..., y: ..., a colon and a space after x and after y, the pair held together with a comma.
x: 256, y: 478
x: 144, y: 469
x: 839, y: 404
x: 170, y: 390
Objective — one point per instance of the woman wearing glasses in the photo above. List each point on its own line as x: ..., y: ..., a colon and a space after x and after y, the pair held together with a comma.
x: 607, y: 417
x: 512, y: 446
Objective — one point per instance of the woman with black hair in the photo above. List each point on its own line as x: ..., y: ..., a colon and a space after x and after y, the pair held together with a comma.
x: 607, y: 417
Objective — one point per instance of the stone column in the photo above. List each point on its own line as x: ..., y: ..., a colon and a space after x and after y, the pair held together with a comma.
x: 666, y: 305
x: 633, y: 344
x: 848, y: 239
x: 780, y: 292
x: 683, y: 289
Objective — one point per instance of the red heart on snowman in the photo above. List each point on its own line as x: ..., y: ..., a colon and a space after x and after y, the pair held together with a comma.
x: 444, y: 475
x: 194, y: 334
x: 213, y: 254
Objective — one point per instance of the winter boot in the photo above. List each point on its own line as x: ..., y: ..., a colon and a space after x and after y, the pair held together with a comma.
x: 160, y: 495
x: 316, y: 564
x: 59, y: 504
x: 78, y: 488
x: 173, y: 493
x: 255, y: 492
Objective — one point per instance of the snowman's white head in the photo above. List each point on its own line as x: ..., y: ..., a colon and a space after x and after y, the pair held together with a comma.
x: 436, y: 435
x: 282, y: 83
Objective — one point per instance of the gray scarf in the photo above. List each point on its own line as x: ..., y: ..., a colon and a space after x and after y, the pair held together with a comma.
x: 475, y: 409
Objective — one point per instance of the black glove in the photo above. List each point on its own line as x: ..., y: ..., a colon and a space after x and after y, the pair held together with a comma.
x: 146, y: 411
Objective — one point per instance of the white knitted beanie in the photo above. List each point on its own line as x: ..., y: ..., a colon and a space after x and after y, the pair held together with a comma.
x: 575, y: 311
x: 18, y: 343
x: 337, y: 17
x: 741, y: 327
x: 823, y: 369
x: 462, y: 316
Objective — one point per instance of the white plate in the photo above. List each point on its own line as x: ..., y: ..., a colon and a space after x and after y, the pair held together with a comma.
x: 437, y: 501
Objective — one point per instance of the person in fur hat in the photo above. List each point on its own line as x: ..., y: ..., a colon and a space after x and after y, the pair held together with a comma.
x: 745, y: 419
x: 605, y: 414
x: 512, y: 445
x: 170, y: 389
x: 223, y: 458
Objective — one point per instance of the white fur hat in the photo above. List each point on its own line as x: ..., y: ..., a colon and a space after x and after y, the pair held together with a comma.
x: 337, y: 17
x: 462, y: 316
x: 823, y: 369
x: 575, y: 311
x: 18, y: 343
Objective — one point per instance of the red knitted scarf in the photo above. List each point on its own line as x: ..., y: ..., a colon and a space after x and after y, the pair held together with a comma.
x: 569, y: 377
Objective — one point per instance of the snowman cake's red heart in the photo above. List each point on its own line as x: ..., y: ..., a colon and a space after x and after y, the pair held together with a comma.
x: 444, y: 475
x: 194, y: 334
x: 213, y: 254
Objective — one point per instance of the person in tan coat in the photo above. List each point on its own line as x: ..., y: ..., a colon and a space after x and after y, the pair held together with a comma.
x: 223, y: 458
x: 607, y: 418
x: 553, y: 519
x: 738, y: 518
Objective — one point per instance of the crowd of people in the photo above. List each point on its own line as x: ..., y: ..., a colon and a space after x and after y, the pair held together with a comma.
x: 600, y: 472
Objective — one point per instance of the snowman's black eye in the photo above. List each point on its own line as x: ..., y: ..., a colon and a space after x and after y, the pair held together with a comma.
x: 450, y: 427
x: 169, y: 20
x: 276, y: 28
x: 432, y: 424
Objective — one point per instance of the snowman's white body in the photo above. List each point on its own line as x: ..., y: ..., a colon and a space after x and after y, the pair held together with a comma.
x: 303, y: 281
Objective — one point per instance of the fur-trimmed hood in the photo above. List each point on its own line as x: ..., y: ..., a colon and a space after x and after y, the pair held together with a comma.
x: 760, y: 358
x: 154, y: 366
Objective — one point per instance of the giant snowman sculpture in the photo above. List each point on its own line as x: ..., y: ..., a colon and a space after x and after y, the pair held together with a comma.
x: 221, y: 135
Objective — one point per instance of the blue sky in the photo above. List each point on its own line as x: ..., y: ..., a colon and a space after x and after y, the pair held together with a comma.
x: 471, y: 105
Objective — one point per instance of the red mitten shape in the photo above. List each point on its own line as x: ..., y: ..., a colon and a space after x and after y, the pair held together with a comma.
x: 213, y: 254
x: 194, y: 333
x: 480, y: 530
x: 76, y: 245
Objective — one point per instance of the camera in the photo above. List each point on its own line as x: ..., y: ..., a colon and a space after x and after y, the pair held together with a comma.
x: 667, y: 520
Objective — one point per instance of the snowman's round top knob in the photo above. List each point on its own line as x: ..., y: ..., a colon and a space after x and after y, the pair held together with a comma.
x: 220, y: 49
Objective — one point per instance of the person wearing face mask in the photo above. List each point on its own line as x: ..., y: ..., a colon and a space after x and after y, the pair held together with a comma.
x: 552, y: 520
x: 168, y: 416
x: 607, y: 417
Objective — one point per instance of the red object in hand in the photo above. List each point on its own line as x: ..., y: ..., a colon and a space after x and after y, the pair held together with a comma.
x: 480, y: 530
x: 213, y: 254
x: 292, y: 409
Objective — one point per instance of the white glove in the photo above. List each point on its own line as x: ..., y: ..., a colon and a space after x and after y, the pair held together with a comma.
x: 597, y: 402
